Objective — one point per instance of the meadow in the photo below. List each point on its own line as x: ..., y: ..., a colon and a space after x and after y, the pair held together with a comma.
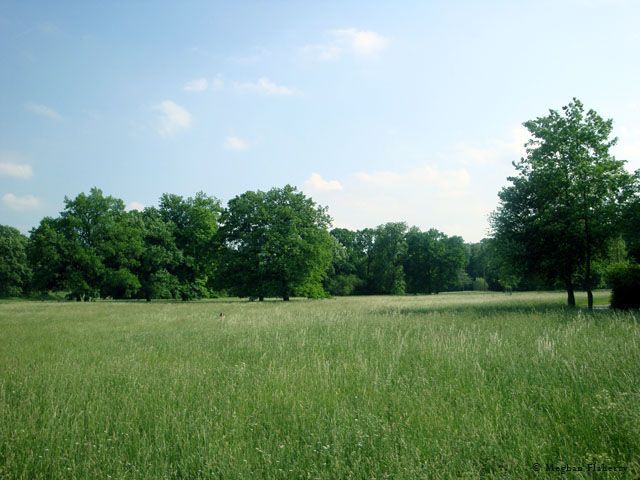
x: 462, y: 385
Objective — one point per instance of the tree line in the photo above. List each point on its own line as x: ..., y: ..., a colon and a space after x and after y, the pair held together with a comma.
x: 262, y: 244
x: 568, y: 219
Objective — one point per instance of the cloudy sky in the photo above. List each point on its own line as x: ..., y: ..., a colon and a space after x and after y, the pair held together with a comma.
x: 383, y: 111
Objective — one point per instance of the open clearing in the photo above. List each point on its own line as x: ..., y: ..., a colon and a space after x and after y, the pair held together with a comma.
x: 370, y: 387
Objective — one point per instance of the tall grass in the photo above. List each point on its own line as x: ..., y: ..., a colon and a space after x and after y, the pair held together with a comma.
x: 447, y: 386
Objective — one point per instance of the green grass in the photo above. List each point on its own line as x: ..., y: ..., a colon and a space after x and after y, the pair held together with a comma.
x: 445, y: 386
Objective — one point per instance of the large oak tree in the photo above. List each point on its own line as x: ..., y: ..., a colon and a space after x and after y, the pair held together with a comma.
x: 274, y: 243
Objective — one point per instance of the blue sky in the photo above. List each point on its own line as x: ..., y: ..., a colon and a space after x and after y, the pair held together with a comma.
x: 383, y: 111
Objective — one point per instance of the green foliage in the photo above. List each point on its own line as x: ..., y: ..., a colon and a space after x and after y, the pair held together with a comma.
x: 624, y: 279
x: 159, y: 258
x: 161, y: 284
x: 546, y: 230
x: 274, y: 243
x: 434, y: 262
x: 192, y: 255
x: 484, y: 261
x: 47, y: 253
x: 89, y: 250
x: 15, y: 273
x: 480, y: 284
x: 565, y: 205
x: 351, y: 266
x: 97, y: 249
x: 311, y: 289
x: 614, y: 254
x: 392, y: 259
x: 120, y: 283
x: 631, y: 223
x: 387, y: 257
x: 342, y: 284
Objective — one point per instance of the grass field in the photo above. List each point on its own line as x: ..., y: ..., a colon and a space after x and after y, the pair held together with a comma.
x: 446, y: 386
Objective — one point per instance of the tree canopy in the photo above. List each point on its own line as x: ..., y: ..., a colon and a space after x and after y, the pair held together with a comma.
x: 570, y: 213
x: 274, y: 243
x: 15, y: 273
x: 564, y: 207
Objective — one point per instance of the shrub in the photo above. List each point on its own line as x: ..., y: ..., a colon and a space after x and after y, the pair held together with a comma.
x: 342, y: 285
x: 480, y: 284
x: 120, y: 284
x: 162, y: 284
x: 625, y: 285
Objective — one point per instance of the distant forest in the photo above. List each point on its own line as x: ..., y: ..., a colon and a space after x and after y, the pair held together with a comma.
x: 264, y: 244
x: 568, y: 220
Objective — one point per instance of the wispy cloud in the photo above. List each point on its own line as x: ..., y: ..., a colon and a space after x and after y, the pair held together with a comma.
x: 450, y: 183
x: 18, y: 170
x: 196, y: 85
x: 316, y: 183
x: 20, y: 203
x: 361, y: 43
x: 264, y: 86
x: 454, y: 190
x: 172, y: 118
x: 369, y: 198
x: 10, y: 166
x: 44, y: 111
x: 236, y: 143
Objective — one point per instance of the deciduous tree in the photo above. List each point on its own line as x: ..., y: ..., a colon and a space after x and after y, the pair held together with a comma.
x: 275, y: 243
x: 14, y: 268
x: 563, y: 207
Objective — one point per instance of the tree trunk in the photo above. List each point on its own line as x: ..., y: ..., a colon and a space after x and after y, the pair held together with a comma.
x: 571, y: 297
x: 261, y: 298
x: 588, y: 278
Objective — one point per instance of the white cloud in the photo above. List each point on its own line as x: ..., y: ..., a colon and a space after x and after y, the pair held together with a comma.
x: 264, y: 86
x: 135, y: 206
x: 14, y: 202
x: 449, y: 183
x: 236, y: 143
x: 15, y: 170
x: 9, y: 167
x: 361, y: 42
x: 44, y: 111
x: 196, y: 85
x: 426, y: 195
x: 318, y: 184
x: 173, y: 118
x: 453, y: 191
